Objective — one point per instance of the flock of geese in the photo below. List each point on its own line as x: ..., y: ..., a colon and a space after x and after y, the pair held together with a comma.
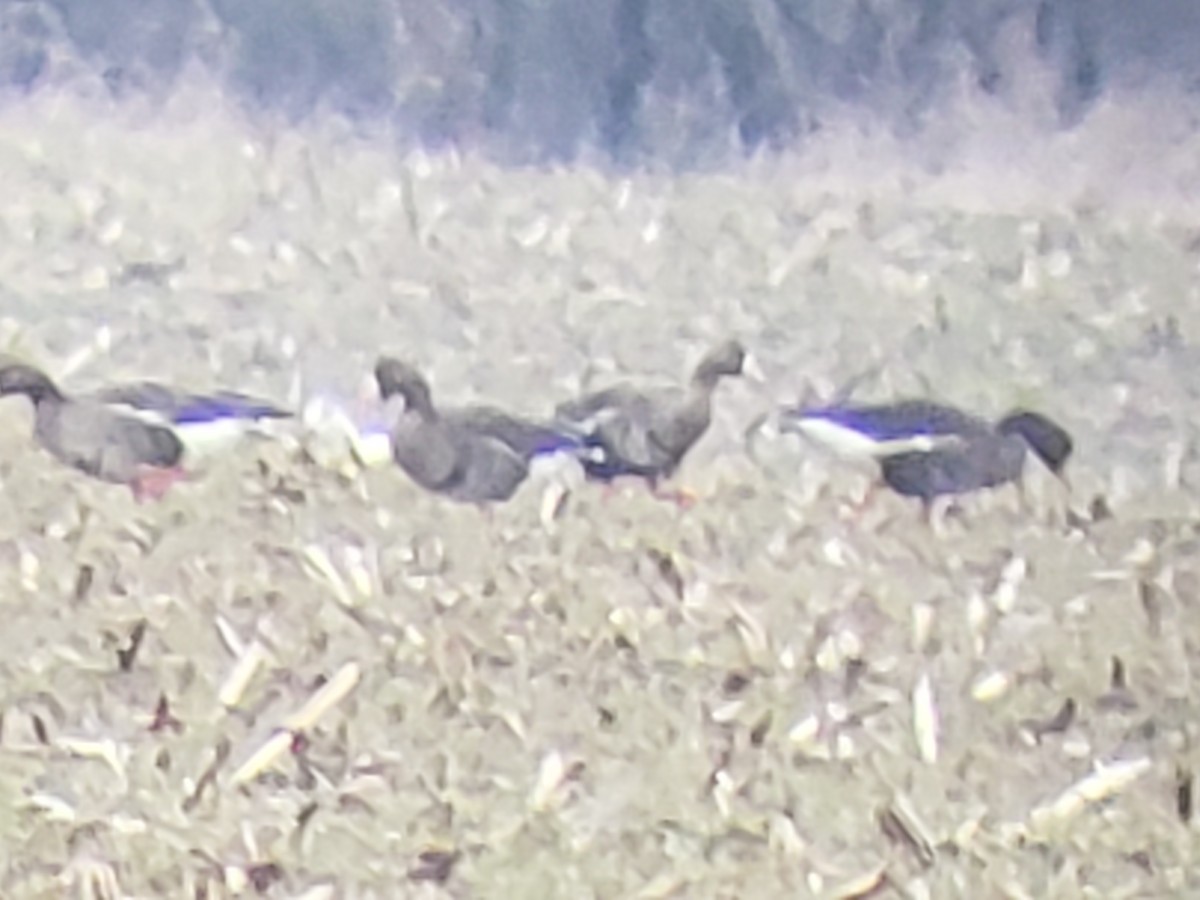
x: 136, y: 434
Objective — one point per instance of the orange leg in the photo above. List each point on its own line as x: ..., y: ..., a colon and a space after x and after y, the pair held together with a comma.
x: 152, y: 483
x: 681, y: 497
x: 860, y: 506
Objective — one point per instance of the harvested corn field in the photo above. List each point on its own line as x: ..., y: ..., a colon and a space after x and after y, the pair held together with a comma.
x: 299, y: 676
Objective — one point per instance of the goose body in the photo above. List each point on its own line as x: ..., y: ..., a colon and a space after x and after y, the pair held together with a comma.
x: 928, y: 450
x: 975, y: 465
x: 476, y: 454
x: 647, y: 433
x: 884, y: 429
x: 93, y: 438
x: 206, y: 423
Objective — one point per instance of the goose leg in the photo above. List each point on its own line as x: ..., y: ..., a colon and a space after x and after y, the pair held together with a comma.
x: 938, y: 513
x: 857, y: 508
x: 681, y: 497
x: 612, y: 486
x: 152, y: 483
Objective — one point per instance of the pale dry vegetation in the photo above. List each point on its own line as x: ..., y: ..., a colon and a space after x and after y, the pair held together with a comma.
x: 773, y: 693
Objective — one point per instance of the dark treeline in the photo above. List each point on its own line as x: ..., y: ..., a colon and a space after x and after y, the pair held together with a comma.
x: 672, y: 80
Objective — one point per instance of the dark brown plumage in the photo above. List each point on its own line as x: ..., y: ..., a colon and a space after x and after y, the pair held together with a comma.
x: 95, y: 439
x: 476, y: 454
x: 647, y: 433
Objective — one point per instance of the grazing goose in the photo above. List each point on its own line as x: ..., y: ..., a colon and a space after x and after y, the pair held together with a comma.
x: 96, y: 439
x: 647, y: 433
x: 476, y: 454
x: 927, y: 449
x: 979, y: 460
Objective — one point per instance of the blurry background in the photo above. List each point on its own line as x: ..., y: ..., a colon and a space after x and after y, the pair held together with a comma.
x: 623, y: 80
